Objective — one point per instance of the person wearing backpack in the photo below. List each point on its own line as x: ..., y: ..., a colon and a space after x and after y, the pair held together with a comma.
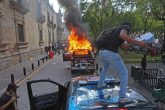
x: 109, y: 56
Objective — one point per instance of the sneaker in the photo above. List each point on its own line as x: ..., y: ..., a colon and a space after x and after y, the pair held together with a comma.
x: 107, y: 96
x: 125, y: 100
x: 100, y: 86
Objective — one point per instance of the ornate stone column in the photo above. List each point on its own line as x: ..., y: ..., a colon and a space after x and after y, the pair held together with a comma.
x: 3, y: 45
x: 20, y: 9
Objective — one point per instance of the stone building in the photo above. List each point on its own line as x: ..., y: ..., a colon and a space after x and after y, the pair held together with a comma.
x: 59, y: 27
x: 26, y: 27
x: 65, y: 33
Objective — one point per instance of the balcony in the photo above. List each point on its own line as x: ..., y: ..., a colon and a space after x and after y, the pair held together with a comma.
x: 19, y: 6
x: 50, y: 23
x: 3, y: 47
x: 22, y: 45
x: 61, y: 29
x: 41, y: 19
x: 54, y: 26
x: 41, y: 43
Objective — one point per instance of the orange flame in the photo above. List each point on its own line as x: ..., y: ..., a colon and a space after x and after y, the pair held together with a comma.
x: 78, y: 44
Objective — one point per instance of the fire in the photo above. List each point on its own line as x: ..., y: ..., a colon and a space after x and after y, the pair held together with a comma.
x: 78, y: 44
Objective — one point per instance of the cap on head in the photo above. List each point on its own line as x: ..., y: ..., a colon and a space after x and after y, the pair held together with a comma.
x: 12, y: 87
x: 126, y: 25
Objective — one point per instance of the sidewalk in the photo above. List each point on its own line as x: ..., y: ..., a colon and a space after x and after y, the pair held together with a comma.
x: 18, y: 72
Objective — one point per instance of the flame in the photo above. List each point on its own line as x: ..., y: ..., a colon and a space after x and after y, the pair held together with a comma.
x: 78, y: 44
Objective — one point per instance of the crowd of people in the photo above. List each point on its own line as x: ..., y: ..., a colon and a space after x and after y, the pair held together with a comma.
x: 57, y: 48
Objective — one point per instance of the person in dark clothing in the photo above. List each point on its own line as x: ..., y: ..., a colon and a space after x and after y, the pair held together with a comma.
x: 52, y: 47
x: 153, y: 53
x: 55, y: 48
x: 8, y: 98
x: 144, y: 62
x: 109, y: 56
x: 7, y: 104
x: 49, y: 48
x: 46, y: 49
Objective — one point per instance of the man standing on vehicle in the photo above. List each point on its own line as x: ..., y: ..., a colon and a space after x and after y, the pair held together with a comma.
x: 110, y: 57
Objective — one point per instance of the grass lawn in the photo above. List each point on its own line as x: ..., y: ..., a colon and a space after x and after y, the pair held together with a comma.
x: 135, y: 57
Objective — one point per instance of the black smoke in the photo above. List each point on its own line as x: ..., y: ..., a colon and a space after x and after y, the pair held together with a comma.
x: 73, y: 15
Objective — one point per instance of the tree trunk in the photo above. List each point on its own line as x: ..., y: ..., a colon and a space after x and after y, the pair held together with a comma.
x: 163, y: 46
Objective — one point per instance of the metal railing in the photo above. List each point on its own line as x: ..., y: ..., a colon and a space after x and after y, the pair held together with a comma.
x: 151, y: 78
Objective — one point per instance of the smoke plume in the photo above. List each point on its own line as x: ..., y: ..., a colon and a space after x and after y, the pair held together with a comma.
x: 73, y: 15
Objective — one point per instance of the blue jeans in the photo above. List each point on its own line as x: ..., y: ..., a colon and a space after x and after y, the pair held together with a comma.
x: 113, y: 59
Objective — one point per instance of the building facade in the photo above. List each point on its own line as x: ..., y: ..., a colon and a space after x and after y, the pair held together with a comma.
x: 26, y: 27
x: 65, y: 33
x: 60, y: 27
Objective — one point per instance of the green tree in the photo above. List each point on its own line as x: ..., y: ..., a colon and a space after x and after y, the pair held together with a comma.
x: 142, y: 14
x: 143, y: 10
x: 100, y: 14
x: 158, y: 9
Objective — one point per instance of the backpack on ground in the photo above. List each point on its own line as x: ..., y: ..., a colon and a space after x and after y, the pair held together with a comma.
x: 103, y: 37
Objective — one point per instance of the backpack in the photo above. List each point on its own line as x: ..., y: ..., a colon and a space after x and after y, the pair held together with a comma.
x: 103, y: 37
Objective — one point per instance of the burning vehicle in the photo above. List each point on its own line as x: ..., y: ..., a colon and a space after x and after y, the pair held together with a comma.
x: 79, y: 52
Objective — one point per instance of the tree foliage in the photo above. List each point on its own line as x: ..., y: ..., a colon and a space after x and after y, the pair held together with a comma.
x: 144, y: 15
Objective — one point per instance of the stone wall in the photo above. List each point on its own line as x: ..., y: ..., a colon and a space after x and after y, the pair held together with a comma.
x: 9, y: 60
x: 13, y: 51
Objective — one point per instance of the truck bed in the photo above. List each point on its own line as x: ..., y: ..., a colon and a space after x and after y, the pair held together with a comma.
x: 84, y: 95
